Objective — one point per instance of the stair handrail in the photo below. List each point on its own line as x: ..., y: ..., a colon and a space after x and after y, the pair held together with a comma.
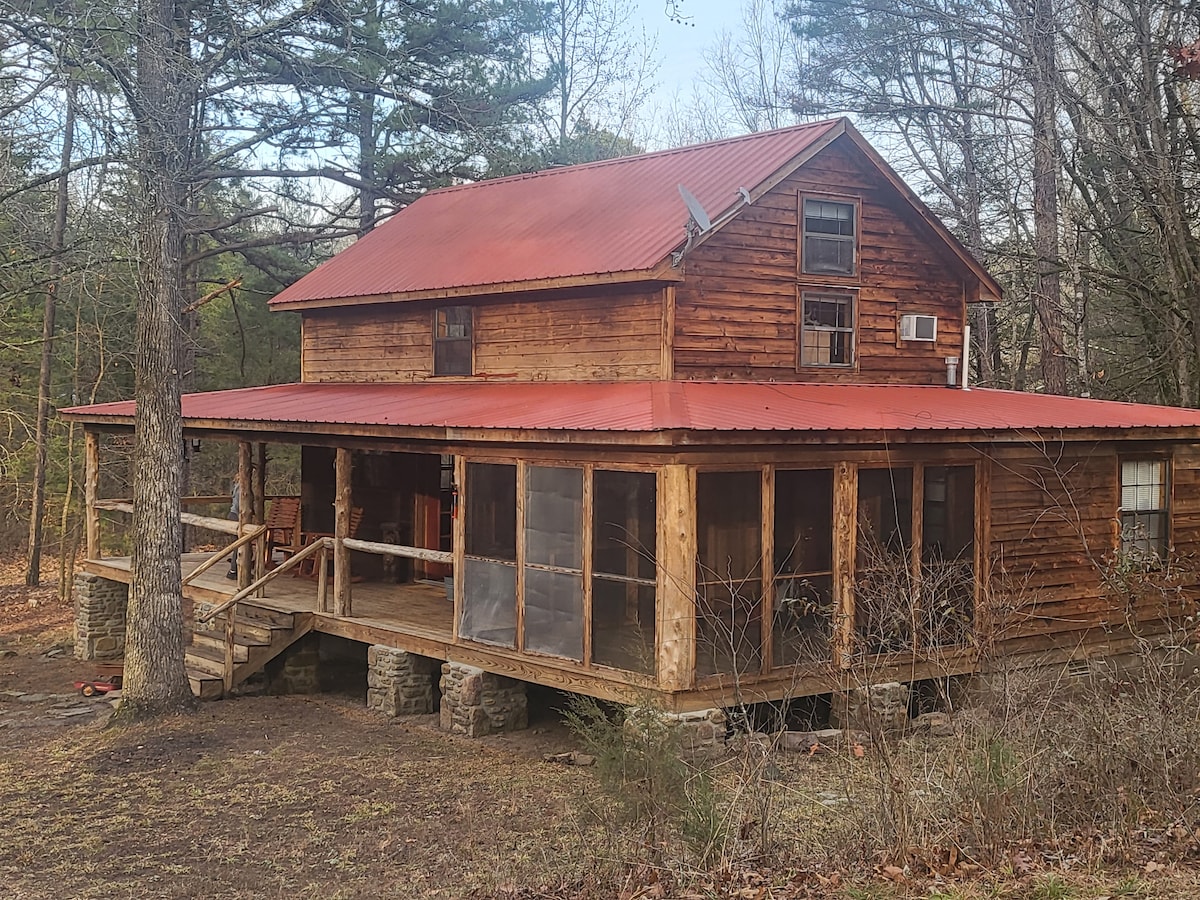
x: 291, y: 561
x: 252, y: 533
x: 228, y: 526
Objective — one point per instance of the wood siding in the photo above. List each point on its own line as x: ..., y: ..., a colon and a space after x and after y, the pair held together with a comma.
x: 609, y: 336
x: 736, y: 312
x: 1053, y: 537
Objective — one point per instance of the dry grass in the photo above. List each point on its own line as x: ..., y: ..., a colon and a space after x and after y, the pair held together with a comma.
x: 313, y: 797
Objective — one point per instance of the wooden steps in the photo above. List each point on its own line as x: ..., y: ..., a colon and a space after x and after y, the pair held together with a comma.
x: 260, y: 634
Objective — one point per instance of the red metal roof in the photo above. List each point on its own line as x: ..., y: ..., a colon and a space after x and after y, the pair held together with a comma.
x: 656, y: 406
x: 622, y: 215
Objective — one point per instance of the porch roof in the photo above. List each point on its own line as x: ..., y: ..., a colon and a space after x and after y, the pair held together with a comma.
x: 650, y: 406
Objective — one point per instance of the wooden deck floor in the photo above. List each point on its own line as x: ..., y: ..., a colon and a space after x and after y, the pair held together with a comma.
x: 416, y: 617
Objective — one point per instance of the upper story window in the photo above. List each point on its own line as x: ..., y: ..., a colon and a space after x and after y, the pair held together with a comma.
x: 453, y: 341
x: 826, y: 329
x: 830, y: 231
x: 1145, y: 509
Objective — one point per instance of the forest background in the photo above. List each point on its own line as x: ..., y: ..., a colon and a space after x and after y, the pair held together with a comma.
x: 1058, y: 139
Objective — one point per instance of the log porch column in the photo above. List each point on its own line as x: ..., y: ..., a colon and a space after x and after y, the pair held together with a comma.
x: 676, y: 577
x: 341, y: 531
x: 91, y: 481
x: 245, y: 512
x: 845, y: 528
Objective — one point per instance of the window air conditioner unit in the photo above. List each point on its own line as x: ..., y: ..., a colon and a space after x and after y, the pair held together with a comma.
x: 918, y: 328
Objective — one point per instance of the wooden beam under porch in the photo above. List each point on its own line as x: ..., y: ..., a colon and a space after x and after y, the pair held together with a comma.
x: 415, y: 617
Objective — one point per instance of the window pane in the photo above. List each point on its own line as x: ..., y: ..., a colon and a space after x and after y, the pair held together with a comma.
x: 831, y: 218
x: 729, y: 576
x: 489, y: 606
x: 825, y: 255
x: 492, y: 511
x: 452, y: 358
x: 1143, y: 484
x: 554, y: 517
x: 554, y: 613
x: 454, y: 322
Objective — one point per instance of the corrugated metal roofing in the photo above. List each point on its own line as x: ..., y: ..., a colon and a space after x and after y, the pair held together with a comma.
x: 658, y: 406
x: 621, y: 215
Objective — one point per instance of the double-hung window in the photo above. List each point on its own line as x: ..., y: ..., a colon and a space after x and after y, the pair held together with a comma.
x: 1145, y: 509
x: 826, y: 329
x: 452, y: 341
x: 830, y: 236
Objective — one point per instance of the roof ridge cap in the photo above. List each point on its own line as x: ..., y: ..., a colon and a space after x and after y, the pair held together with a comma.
x: 620, y: 160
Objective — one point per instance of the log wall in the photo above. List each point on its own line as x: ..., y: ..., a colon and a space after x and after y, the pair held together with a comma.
x: 604, y: 336
x: 736, y: 313
x: 1054, y: 527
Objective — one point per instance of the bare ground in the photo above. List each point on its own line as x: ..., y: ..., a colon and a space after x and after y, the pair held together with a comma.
x: 302, y: 797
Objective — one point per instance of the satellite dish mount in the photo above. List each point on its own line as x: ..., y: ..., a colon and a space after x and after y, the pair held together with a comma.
x: 698, y: 222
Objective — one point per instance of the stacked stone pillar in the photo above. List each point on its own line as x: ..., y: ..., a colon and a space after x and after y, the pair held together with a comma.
x: 101, y: 607
x: 875, y: 708
x: 476, y: 703
x: 399, y: 683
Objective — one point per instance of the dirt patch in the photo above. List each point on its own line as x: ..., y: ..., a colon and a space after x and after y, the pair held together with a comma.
x: 314, y: 797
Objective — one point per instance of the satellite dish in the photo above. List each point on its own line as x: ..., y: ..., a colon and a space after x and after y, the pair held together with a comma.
x: 699, y: 216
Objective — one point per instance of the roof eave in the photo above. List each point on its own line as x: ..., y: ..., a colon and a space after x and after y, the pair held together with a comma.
x: 660, y: 272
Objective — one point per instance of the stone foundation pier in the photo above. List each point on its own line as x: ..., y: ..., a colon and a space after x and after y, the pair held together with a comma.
x: 475, y: 702
x: 101, y: 606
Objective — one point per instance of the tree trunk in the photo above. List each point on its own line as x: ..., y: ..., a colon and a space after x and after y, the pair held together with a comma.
x: 1041, y: 22
x: 37, y: 510
x: 155, y: 679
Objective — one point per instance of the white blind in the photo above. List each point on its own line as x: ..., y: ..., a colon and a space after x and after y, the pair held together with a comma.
x: 1143, y: 484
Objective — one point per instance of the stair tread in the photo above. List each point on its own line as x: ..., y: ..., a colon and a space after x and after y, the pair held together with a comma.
x: 241, y: 639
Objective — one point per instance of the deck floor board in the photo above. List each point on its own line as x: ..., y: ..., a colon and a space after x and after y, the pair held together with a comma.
x: 419, y: 609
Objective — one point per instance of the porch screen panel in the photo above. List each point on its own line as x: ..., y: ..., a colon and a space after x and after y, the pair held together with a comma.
x: 554, y: 561
x: 883, y: 588
x: 947, y: 596
x: 489, y: 604
x: 489, y: 607
x: 803, y: 617
x: 729, y: 572
x: 623, y: 570
x: 554, y: 613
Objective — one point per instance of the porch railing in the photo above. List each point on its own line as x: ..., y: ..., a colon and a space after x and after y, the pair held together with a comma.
x: 228, y: 608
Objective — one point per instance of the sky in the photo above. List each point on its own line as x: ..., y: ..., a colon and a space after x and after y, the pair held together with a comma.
x: 681, y: 47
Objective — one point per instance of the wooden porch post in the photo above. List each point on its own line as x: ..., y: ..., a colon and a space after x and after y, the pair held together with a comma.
x: 260, y: 483
x: 845, y: 535
x: 341, y: 531
x: 458, y: 524
x: 676, y: 578
x: 91, y: 480
x: 245, y: 511
x: 260, y: 511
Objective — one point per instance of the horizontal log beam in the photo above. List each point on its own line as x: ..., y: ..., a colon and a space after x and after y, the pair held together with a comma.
x: 421, y: 553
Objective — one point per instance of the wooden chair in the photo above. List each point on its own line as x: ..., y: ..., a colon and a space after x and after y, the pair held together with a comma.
x: 283, y: 528
x: 308, y: 567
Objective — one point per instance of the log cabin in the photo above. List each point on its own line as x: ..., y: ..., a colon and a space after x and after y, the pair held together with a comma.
x: 690, y: 428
